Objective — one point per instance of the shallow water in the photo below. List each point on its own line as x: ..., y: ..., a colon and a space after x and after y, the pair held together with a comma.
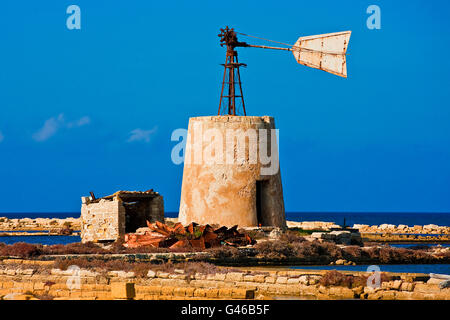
x: 418, y: 244
x: 48, y: 240
x: 406, y: 268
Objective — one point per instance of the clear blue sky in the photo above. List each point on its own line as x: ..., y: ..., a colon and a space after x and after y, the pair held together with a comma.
x: 71, y: 101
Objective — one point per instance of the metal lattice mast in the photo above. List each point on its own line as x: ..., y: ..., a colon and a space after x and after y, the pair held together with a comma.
x: 231, y: 75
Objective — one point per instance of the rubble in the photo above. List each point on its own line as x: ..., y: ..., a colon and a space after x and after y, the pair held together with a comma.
x: 194, y: 235
x: 403, y: 229
x: 39, y: 224
x: 342, y: 237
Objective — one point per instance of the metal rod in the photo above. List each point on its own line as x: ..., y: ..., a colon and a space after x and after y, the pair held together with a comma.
x: 266, y: 47
x: 223, y: 84
x: 240, y: 87
x: 295, y: 48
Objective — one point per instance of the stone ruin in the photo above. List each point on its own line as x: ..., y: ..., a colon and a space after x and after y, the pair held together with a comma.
x: 110, y: 218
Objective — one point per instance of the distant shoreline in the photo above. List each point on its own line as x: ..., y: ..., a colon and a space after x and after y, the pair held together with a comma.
x: 370, y: 218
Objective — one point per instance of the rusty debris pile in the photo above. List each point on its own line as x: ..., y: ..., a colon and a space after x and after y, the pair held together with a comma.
x: 195, y: 236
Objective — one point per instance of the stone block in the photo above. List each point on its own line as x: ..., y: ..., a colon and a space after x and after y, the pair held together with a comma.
x: 426, y: 288
x: 212, y: 293
x: 407, y: 286
x: 179, y: 292
x: 243, y: 294
x: 260, y: 278
x: 225, y: 292
x: 167, y: 291
x: 199, y: 292
x: 270, y: 279
x: 161, y: 274
x: 219, y: 276
x: 189, y: 292
x: 249, y: 278
x: 122, y: 290
x: 154, y: 290
x: 293, y: 281
x: 282, y: 280
x: 234, y: 276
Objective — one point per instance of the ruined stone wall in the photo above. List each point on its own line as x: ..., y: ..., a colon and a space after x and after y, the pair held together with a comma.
x: 157, y: 209
x: 215, y: 192
x: 106, y: 220
x: 102, y: 221
x: 25, y: 283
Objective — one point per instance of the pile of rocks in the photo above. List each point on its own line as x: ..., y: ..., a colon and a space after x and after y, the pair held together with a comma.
x: 401, y: 228
x: 27, y: 224
x: 340, y: 237
x: 312, y: 225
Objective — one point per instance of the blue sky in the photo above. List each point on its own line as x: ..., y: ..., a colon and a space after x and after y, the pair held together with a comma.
x: 94, y: 109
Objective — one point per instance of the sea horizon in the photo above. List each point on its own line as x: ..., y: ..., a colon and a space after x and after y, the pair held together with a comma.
x: 370, y: 218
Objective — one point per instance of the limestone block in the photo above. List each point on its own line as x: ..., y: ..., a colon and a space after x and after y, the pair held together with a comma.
x: 249, y: 278
x: 260, y: 278
x: 282, y: 280
x: 225, y: 292
x: 179, y: 292
x: 189, y: 292
x: 161, y: 274
x: 426, y: 288
x: 234, y: 276
x: 199, y: 292
x: 243, y: 294
x: 212, y: 293
x: 407, y: 286
x: 220, y: 276
x: 122, y: 290
x: 293, y: 281
x: 270, y: 279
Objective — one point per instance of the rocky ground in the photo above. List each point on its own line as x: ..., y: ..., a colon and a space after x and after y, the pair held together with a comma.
x: 363, y: 228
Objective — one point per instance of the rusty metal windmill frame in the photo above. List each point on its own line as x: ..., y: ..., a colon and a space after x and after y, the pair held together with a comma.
x: 231, y: 68
x: 326, y: 52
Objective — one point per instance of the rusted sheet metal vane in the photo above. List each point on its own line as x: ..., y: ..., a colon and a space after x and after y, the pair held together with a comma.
x: 193, y: 236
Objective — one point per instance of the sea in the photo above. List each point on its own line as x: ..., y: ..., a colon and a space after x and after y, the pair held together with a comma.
x: 403, y: 268
x: 369, y: 218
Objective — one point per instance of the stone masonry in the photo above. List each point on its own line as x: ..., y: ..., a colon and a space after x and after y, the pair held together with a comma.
x: 109, y: 218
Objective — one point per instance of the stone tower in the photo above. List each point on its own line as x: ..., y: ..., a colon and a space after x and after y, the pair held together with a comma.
x: 231, y: 173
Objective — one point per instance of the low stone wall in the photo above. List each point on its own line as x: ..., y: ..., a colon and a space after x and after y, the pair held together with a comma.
x: 25, y: 283
x: 38, y: 224
x: 401, y: 228
x: 312, y: 225
x: 389, y: 237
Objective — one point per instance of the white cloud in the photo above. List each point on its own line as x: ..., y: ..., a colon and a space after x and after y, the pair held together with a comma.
x: 2, y: 137
x: 52, y: 125
x: 79, y: 123
x: 141, y: 135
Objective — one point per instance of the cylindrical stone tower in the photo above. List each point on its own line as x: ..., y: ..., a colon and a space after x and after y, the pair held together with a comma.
x: 231, y: 173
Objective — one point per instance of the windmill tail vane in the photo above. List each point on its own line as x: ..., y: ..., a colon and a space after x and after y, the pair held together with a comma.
x: 325, y: 52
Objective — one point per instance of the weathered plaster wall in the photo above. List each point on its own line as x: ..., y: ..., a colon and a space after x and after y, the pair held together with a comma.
x: 224, y: 193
